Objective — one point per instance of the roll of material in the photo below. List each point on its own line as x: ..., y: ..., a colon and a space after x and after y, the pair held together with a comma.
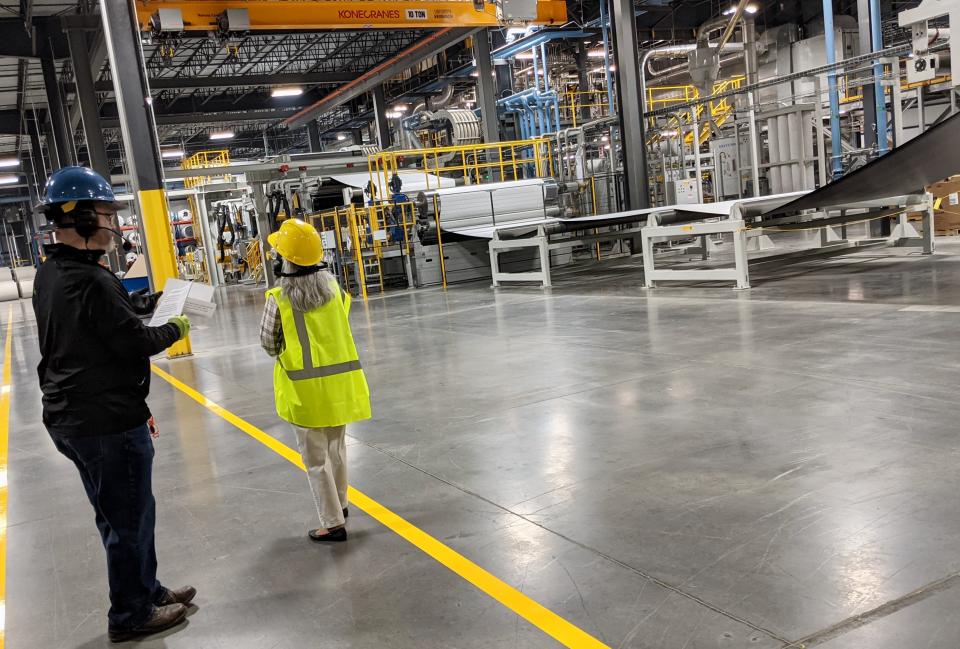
x: 10, y: 291
x: 24, y: 273
x: 26, y: 288
x: 477, y: 208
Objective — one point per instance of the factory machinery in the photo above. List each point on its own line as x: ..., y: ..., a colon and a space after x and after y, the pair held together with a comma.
x: 741, y: 128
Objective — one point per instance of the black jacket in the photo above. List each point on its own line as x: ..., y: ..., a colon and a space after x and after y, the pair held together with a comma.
x: 95, y: 366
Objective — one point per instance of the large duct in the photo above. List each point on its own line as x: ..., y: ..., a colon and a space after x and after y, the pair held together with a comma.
x: 441, y: 100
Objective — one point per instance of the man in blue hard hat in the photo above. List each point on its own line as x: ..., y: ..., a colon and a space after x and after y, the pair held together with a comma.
x: 95, y: 377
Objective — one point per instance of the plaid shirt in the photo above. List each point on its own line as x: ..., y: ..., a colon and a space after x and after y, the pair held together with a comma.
x: 271, y: 328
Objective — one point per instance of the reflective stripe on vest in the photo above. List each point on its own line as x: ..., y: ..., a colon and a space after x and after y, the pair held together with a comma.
x: 310, y: 371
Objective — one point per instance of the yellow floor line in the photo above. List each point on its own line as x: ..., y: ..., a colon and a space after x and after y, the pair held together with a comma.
x: 4, y: 445
x: 536, y: 614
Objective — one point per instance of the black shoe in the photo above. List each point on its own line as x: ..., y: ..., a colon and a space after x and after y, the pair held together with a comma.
x: 162, y: 618
x: 346, y: 513
x: 183, y: 595
x: 338, y: 535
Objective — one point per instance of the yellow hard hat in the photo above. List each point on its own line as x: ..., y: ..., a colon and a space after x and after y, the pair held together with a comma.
x: 297, y: 242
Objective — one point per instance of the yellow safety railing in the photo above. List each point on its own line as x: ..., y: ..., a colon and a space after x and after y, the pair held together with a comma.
x: 851, y: 88
x: 475, y: 163
x: 720, y: 110
x: 205, y: 160
x: 363, y: 234
x: 573, y: 102
x: 255, y: 260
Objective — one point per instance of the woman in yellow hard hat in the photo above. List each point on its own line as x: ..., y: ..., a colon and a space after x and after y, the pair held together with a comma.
x: 317, y: 379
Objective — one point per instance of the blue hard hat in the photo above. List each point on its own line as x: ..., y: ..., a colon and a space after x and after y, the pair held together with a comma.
x: 73, y: 184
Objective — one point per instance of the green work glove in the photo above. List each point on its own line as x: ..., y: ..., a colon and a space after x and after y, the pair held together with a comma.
x: 183, y: 324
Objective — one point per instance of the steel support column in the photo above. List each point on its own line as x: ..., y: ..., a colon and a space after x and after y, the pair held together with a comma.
x: 140, y: 143
x: 66, y: 155
x: 357, y: 134
x: 880, y: 97
x: 313, y: 136
x: 53, y: 156
x: 380, y: 119
x: 630, y: 104
x: 868, y: 89
x: 836, y: 159
x: 486, y: 87
x: 87, y: 98
x: 583, y: 81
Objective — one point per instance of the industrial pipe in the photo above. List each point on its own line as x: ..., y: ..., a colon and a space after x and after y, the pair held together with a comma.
x: 728, y: 32
x: 876, y: 45
x: 605, y: 31
x: 836, y: 163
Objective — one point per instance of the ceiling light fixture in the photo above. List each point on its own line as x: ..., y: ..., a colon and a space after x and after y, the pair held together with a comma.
x: 222, y: 135
x: 6, y: 163
x: 596, y: 54
x: 172, y: 153
x: 9, y: 180
x: 341, y: 137
x: 732, y: 9
x: 287, y: 92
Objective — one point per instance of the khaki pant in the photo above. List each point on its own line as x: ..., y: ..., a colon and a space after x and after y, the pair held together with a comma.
x: 324, y: 453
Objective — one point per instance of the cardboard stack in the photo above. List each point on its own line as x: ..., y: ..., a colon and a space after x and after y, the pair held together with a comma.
x: 947, y: 216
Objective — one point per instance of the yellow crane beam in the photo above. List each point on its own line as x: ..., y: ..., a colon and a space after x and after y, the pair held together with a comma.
x: 280, y: 15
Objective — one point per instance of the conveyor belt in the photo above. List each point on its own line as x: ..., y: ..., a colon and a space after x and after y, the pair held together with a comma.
x: 909, y: 168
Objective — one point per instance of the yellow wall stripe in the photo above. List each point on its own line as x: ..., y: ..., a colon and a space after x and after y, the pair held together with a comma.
x: 536, y: 614
x: 4, y: 449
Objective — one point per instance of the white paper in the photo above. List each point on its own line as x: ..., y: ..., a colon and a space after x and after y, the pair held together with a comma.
x: 171, y: 303
x: 329, y: 239
x: 200, y: 300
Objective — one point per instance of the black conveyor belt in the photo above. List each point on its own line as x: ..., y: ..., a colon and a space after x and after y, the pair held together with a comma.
x: 909, y: 168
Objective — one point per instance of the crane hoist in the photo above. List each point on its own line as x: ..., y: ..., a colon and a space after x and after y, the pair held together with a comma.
x: 240, y: 16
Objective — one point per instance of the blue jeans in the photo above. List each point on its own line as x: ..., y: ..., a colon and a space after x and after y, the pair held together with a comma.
x: 116, y: 471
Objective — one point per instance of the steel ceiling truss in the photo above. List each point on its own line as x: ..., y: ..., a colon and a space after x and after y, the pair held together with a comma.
x: 269, y: 54
x: 355, y: 51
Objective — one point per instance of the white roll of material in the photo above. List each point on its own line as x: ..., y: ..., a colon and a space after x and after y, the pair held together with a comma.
x: 10, y: 291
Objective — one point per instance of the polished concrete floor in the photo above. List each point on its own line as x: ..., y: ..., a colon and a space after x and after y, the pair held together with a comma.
x: 694, y: 468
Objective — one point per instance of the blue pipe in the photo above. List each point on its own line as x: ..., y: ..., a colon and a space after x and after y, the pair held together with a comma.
x: 606, y: 54
x: 836, y: 161
x: 536, y: 71
x: 876, y: 44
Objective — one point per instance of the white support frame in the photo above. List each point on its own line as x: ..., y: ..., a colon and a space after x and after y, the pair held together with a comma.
x: 541, y: 241
x: 538, y: 241
x: 740, y: 273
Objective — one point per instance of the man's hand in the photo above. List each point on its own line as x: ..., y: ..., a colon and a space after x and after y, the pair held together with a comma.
x: 183, y: 324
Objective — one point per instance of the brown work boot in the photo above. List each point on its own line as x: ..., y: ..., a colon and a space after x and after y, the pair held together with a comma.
x: 183, y: 595
x: 162, y: 618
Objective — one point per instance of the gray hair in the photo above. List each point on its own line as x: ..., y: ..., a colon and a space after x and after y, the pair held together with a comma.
x: 307, y: 292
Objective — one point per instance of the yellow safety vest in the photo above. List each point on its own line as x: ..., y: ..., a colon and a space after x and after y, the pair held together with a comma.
x: 317, y: 379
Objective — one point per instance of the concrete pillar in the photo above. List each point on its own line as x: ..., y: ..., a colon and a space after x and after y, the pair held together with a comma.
x: 630, y: 103
x: 380, y: 120
x: 138, y: 126
x: 62, y: 136
x: 486, y: 89
x: 89, y: 106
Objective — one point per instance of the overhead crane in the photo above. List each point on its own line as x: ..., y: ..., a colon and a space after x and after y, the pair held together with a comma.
x: 232, y: 16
